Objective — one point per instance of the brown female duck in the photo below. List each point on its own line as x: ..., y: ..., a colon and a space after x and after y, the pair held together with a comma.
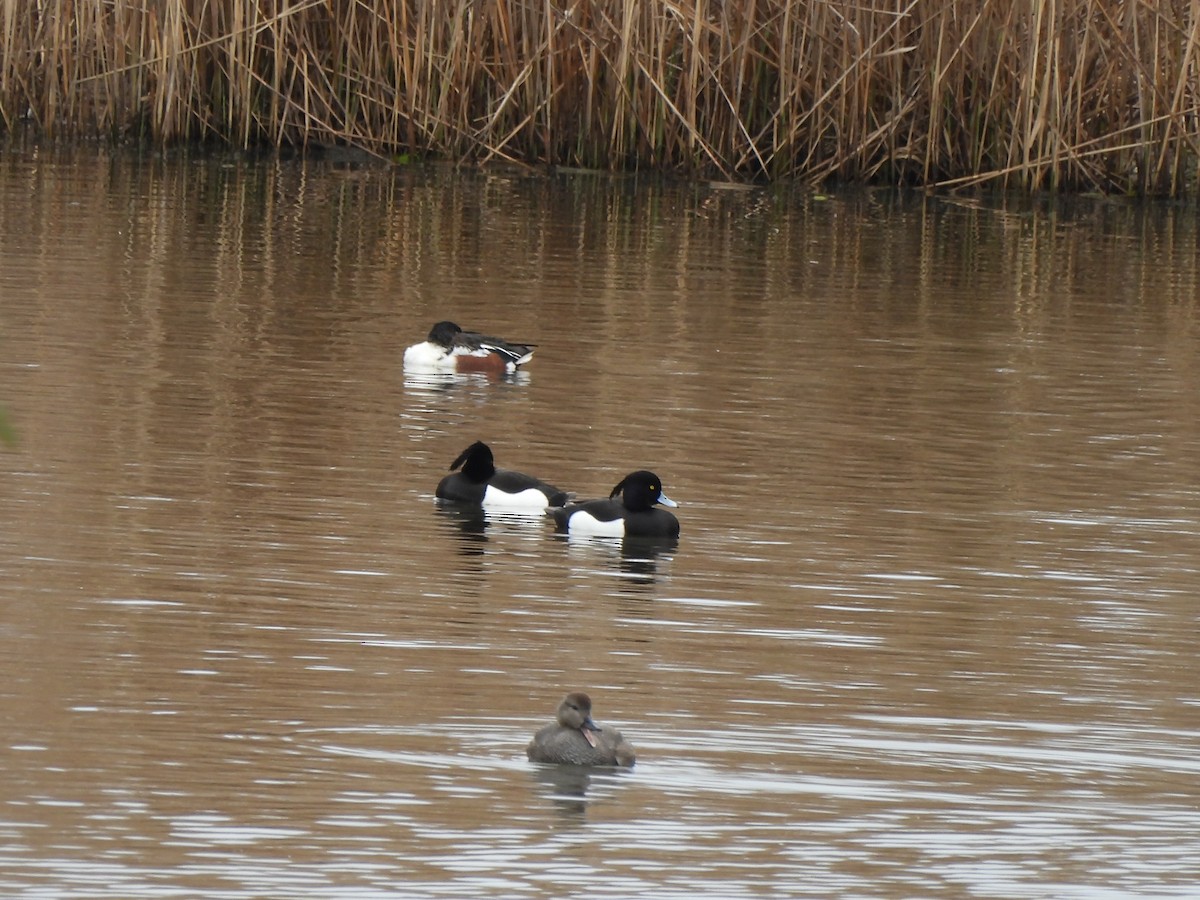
x: 574, y: 739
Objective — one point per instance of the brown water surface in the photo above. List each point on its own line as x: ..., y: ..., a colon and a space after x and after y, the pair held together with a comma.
x: 930, y: 629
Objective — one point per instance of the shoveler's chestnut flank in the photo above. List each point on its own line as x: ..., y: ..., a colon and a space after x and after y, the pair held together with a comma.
x: 574, y: 739
x: 480, y: 482
x: 634, y: 515
x: 449, y: 349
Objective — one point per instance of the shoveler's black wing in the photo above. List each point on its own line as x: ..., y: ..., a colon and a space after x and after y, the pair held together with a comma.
x: 515, y: 353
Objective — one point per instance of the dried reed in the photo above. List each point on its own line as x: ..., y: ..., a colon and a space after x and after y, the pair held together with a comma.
x: 1073, y: 94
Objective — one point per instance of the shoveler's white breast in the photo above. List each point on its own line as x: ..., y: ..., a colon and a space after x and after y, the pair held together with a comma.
x: 529, y: 499
x: 428, y: 357
x: 584, y: 524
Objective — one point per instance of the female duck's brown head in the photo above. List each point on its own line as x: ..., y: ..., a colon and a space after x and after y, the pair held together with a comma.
x: 575, y: 711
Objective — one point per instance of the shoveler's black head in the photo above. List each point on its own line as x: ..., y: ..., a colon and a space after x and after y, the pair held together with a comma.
x: 640, y: 490
x: 443, y: 334
x: 477, y: 462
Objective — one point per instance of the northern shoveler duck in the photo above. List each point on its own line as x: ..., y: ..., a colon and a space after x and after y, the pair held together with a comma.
x: 633, y: 515
x: 574, y: 739
x: 480, y: 482
x: 450, y: 349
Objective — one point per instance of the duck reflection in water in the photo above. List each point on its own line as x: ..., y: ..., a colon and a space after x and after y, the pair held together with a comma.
x: 635, y: 561
x: 567, y: 787
x: 639, y: 558
x: 575, y: 739
x: 470, y: 522
x: 473, y: 527
x: 440, y: 384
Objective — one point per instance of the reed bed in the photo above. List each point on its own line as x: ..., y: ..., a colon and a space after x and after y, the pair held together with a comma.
x: 1067, y: 94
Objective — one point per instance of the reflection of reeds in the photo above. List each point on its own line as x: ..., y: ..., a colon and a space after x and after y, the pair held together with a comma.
x: 1041, y: 93
x: 8, y: 437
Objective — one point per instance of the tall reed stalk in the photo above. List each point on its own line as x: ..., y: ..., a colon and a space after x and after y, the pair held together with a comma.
x: 1074, y: 94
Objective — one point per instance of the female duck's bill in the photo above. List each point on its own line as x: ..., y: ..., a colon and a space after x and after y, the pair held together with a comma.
x: 449, y: 349
x: 574, y: 739
x: 634, y: 515
x: 481, y: 483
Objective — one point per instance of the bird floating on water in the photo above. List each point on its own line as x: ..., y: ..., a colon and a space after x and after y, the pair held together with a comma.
x: 449, y: 349
x: 634, y: 515
x: 480, y: 482
x: 574, y: 739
